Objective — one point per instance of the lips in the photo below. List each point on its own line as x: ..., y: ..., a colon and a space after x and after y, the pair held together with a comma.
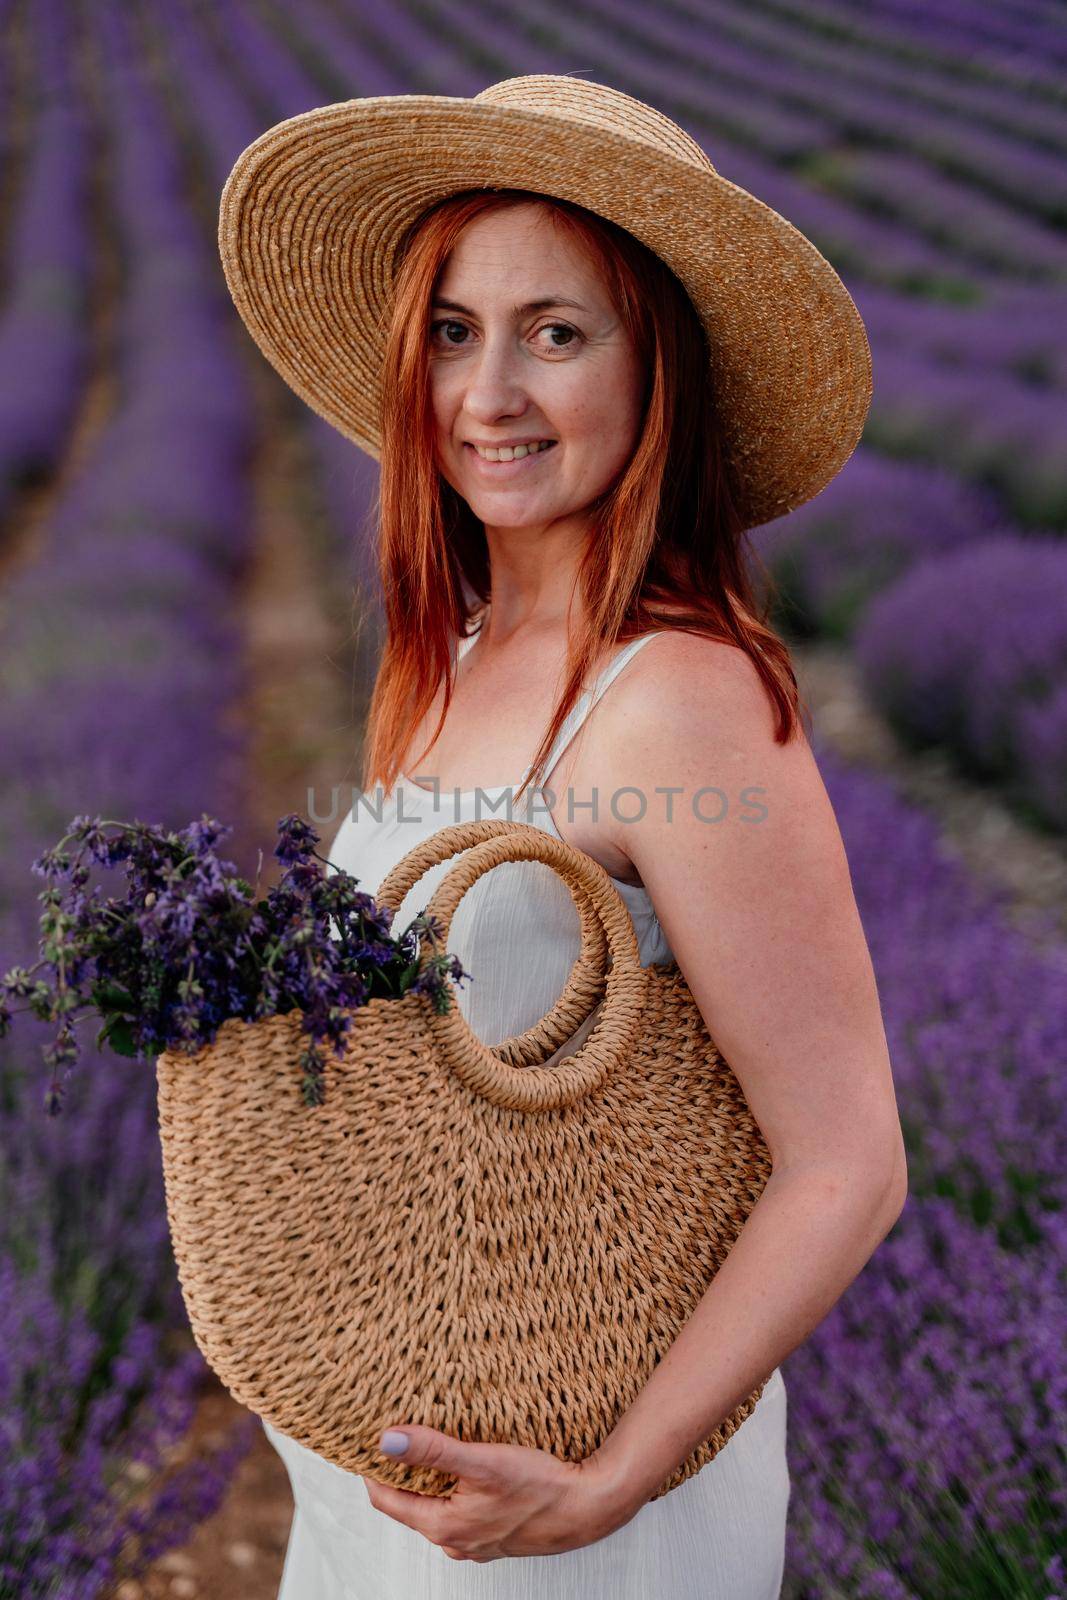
x: 506, y: 469
x: 532, y: 445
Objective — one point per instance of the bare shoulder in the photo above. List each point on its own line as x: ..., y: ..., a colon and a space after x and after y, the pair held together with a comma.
x: 689, y: 730
x: 682, y: 687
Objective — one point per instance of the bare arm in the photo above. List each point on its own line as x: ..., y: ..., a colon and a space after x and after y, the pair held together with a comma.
x: 763, y: 922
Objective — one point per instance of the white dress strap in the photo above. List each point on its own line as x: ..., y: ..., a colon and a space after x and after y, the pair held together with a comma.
x: 463, y: 645
x: 585, y: 703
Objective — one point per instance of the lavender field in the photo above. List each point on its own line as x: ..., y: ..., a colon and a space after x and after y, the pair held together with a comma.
x: 180, y: 544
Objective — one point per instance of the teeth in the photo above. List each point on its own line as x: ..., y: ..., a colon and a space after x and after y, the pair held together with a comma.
x: 507, y: 453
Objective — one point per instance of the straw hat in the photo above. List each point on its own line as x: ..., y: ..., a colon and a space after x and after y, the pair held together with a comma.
x: 314, y: 211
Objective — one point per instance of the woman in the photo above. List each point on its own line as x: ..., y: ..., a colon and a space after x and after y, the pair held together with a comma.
x: 666, y: 363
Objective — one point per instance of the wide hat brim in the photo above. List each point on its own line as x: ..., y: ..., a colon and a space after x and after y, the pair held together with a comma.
x: 314, y: 212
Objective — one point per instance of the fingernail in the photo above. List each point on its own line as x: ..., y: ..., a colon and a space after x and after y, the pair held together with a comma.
x: 394, y: 1443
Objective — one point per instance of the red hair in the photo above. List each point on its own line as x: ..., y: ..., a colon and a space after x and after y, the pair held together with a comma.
x: 665, y: 549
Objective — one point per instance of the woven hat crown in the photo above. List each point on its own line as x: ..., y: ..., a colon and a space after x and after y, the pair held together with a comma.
x: 579, y: 100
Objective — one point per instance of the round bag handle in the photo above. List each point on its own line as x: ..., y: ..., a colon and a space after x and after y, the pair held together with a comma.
x: 585, y: 983
x: 546, y: 1088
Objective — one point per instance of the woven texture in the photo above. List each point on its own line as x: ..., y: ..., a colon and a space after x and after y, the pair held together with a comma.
x: 314, y: 214
x: 500, y: 1251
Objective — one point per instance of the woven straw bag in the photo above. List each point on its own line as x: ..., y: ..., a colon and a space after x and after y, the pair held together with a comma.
x: 462, y: 1236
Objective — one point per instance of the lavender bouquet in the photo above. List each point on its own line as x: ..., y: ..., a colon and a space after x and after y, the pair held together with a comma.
x: 190, y: 945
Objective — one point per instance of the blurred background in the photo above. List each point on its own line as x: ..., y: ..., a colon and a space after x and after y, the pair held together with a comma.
x: 183, y: 546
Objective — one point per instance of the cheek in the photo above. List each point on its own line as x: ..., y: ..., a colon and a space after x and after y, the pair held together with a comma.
x: 602, y: 410
x: 446, y: 396
x: 604, y: 435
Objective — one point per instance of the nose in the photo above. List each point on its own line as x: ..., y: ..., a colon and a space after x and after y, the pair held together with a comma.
x: 494, y: 384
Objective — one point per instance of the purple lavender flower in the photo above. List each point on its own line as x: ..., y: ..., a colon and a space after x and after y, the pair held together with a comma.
x: 188, y: 947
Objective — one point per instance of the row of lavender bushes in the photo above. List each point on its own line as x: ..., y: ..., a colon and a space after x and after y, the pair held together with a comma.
x: 970, y: 653
x: 928, y: 1450
x: 119, y: 657
x: 257, y: 69
x: 956, y: 619
x: 755, y: 92
x: 254, y: 70
x: 1018, y: 45
x: 911, y: 1474
x: 45, y: 327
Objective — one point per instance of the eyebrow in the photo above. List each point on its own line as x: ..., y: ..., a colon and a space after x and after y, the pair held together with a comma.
x: 544, y: 304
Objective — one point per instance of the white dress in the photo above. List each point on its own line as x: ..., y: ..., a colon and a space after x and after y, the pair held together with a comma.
x: 720, y: 1535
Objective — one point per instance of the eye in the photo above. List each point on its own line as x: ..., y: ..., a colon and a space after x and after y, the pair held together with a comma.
x: 451, y: 323
x: 561, y: 327
x: 446, y: 322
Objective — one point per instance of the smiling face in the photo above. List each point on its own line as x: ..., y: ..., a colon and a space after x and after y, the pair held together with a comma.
x: 525, y: 344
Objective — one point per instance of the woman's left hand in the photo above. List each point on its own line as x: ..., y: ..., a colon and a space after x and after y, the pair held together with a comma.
x: 509, y: 1500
